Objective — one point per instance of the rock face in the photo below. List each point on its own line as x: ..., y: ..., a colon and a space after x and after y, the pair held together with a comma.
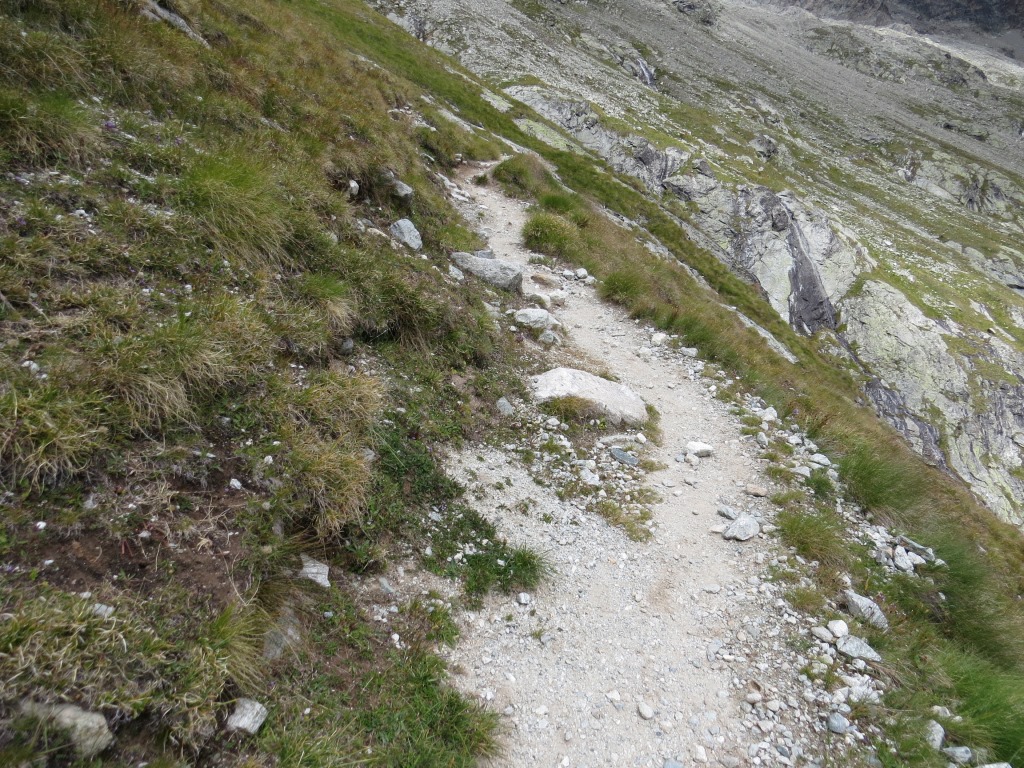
x: 88, y: 731
x: 990, y: 15
x: 617, y: 402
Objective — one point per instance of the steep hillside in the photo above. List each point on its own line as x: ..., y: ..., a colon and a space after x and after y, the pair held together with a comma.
x: 245, y: 319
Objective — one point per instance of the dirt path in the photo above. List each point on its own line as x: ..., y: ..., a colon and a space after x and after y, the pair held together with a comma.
x: 633, y: 653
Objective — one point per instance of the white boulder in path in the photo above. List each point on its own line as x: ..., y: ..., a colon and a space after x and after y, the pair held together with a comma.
x: 618, y: 403
x: 500, y: 274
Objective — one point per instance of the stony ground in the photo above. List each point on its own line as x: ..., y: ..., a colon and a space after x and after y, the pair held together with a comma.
x: 677, y: 650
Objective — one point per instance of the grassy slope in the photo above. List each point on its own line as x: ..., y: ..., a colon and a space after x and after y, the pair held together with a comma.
x: 156, y: 394
x: 181, y: 272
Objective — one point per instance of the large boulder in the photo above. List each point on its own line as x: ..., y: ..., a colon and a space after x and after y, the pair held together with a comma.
x: 500, y: 274
x: 618, y: 403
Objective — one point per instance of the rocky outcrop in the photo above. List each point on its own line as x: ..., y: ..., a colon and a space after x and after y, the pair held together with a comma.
x: 975, y: 188
x: 801, y: 260
x: 963, y: 413
x: 632, y: 155
x: 924, y: 15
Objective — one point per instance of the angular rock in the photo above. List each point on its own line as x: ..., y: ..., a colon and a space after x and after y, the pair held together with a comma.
x: 857, y: 648
x: 402, y: 190
x: 758, y: 491
x: 958, y: 755
x: 405, y: 232
x: 742, y: 529
x: 537, y: 319
x: 823, y: 634
x: 500, y: 274
x: 315, y: 571
x: 505, y: 408
x: 549, y: 338
x: 618, y: 403
x: 728, y: 512
x: 838, y: 627
x: 624, y: 458
x: 866, y: 609
x: 590, y: 478
x: 248, y: 716
x: 934, y: 734
x: 837, y: 724
x: 88, y: 731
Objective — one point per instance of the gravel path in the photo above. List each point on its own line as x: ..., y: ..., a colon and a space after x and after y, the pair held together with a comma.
x: 633, y: 653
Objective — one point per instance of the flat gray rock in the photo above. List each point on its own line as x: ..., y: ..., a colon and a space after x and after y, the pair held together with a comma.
x: 405, y: 232
x: 617, y: 402
x: 537, y: 319
x: 500, y: 274
x: 742, y: 528
x: 958, y: 755
x: 314, y: 570
x: 857, y: 648
x: 621, y: 456
x: 865, y: 608
x: 934, y: 734
x: 837, y: 724
x: 248, y: 716
x: 505, y: 408
x: 698, y: 449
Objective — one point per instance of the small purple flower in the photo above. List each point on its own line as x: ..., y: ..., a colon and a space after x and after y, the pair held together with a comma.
x: 20, y: 221
x: 110, y: 125
x: 178, y: 141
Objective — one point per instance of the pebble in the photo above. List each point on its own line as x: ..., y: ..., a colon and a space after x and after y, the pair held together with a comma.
x: 838, y: 724
x: 758, y: 491
x: 645, y: 711
x: 838, y: 627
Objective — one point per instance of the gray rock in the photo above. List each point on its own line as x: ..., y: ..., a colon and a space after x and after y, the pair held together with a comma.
x: 455, y: 273
x: 590, y: 478
x: 700, y: 450
x: 405, y: 232
x: 500, y: 274
x: 837, y: 723
x: 934, y: 734
x: 624, y: 458
x: 402, y: 190
x: 762, y: 439
x: 523, y: 598
x: 315, y: 571
x: 645, y: 711
x: 857, y: 648
x: 996, y: 765
x: 823, y: 634
x: 959, y: 755
x: 537, y: 319
x: 352, y: 192
x: 505, y: 408
x: 758, y: 491
x: 617, y: 402
x: 742, y: 529
x: 671, y: 763
x: 901, y: 559
x: 549, y: 338
x: 866, y: 609
x: 821, y: 460
x: 247, y: 717
x: 728, y: 512
x: 838, y: 628
x: 88, y: 731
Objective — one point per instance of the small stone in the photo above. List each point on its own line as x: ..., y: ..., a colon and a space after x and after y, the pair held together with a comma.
x: 549, y: 339
x: 758, y: 491
x: 838, y: 627
x: 821, y: 460
x: 753, y: 698
x: 455, y: 273
x: 837, y: 724
x: 823, y: 634
x: 505, y: 408
x: 645, y: 711
x: 958, y: 755
x: 541, y: 710
x: 902, y: 560
x: 671, y: 763
x: 700, y: 450
x: 866, y: 609
x: 581, y: 274
x: 613, y: 695
x: 934, y: 734
x: 235, y: 484
x: 402, y: 190
x: 523, y: 598
x: 621, y: 456
x: 590, y: 478
x: 659, y: 339
x: 762, y: 439
x: 728, y: 512
x: 315, y: 571
x: 103, y: 611
x: 248, y: 716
